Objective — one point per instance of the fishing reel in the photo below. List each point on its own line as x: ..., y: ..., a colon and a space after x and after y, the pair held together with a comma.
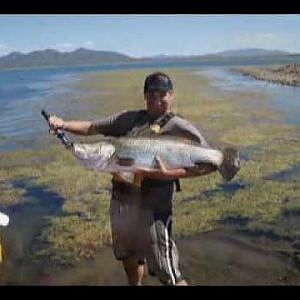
x: 59, y: 133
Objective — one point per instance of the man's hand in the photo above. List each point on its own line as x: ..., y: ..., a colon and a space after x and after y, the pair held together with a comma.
x: 76, y: 127
x: 55, y: 123
x: 162, y: 172
x: 168, y: 174
x: 200, y: 170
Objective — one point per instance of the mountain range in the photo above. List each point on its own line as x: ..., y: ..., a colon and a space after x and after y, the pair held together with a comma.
x: 251, y: 52
x: 50, y: 57
x: 83, y: 56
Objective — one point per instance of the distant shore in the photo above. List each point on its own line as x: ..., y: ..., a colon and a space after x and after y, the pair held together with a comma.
x: 284, y: 75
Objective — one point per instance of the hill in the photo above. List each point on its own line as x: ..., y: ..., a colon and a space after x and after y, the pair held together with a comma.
x: 50, y: 57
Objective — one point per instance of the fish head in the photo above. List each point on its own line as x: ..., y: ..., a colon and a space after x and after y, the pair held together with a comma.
x: 95, y: 156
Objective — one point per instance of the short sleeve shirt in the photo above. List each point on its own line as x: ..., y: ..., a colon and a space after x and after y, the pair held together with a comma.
x: 157, y: 194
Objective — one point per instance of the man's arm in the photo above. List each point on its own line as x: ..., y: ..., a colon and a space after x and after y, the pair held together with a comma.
x: 188, y: 130
x: 163, y: 173
x: 114, y: 125
x: 200, y: 170
x: 76, y: 127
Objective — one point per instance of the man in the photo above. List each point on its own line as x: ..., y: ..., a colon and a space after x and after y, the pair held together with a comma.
x: 141, y: 217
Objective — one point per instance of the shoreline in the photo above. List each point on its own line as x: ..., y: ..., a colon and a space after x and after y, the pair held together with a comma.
x: 283, y: 74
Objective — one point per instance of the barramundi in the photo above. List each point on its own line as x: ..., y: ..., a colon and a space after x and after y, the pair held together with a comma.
x: 130, y: 154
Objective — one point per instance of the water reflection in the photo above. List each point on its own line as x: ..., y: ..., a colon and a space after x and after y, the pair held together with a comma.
x: 285, y: 175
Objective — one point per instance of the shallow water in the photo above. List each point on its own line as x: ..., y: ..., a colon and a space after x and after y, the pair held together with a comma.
x: 26, y: 222
x: 284, y: 99
x: 285, y: 175
x: 217, y: 258
x: 228, y: 189
x: 226, y: 258
x: 23, y: 93
x: 223, y: 257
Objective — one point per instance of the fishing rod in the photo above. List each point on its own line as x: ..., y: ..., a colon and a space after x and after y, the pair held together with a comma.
x: 59, y: 133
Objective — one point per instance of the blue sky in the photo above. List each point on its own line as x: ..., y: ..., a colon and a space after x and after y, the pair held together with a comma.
x: 147, y: 35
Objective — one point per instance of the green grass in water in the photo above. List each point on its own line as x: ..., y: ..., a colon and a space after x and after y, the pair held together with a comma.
x: 227, y: 119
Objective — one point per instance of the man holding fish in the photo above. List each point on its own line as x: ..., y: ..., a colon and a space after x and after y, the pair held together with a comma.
x: 141, y: 202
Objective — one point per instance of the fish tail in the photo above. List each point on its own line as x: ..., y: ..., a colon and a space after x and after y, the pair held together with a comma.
x: 231, y: 163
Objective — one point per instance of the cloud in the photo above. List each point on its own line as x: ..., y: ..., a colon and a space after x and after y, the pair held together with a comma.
x: 3, y: 46
x: 266, y: 40
x: 261, y: 37
x: 63, y: 46
x: 89, y: 44
x: 71, y: 46
x: 253, y: 39
x: 4, y: 49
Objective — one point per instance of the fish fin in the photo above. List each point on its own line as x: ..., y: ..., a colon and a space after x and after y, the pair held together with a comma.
x: 138, y: 179
x: 201, y: 163
x: 125, y: 161
x: 231, y: 163
x: 160, y: 164
x: 118, y: 177
x: 123, y: 177
x: 182, y: 139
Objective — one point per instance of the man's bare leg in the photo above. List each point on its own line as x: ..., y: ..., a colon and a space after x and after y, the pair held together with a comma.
x: 134, y: 271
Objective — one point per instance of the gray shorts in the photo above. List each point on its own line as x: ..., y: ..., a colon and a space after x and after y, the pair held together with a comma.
x: 142, y: 233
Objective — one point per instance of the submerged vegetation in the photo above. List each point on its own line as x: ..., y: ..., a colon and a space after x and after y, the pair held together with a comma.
x: 257, y: 204
x: 285, y: 75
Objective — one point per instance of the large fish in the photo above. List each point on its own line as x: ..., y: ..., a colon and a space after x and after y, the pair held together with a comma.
x: 128, y: 154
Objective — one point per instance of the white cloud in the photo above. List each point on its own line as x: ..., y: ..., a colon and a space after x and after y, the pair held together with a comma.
x: 3, y: 46
x: 250, y: 40
x: 262, y: 37
x: 71, y: 46
x: 63, y: 46
x: 265, y: 40
x: 89, y: 44
x: 4, y: 49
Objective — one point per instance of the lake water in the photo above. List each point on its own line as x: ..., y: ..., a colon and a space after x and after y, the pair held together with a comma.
x: 23, y: 93
x: 214, y: 258
x: 284, y: 99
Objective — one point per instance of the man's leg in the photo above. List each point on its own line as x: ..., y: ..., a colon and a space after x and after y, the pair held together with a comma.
x: 162, y: 257
x: 125, y: 216
x: 134, y: 270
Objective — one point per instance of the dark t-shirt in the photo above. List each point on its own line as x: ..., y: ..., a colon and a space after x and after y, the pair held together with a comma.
x: 157, y: 194
x: 125, y: 122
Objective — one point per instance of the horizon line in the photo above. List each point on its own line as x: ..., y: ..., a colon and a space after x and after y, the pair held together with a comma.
x: 148, y: 56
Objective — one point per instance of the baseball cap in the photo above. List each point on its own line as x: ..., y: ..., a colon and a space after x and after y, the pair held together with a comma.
x: 158, y: 82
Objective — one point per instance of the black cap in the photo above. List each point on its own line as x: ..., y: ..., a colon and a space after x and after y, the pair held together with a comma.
x: 158, y: 82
